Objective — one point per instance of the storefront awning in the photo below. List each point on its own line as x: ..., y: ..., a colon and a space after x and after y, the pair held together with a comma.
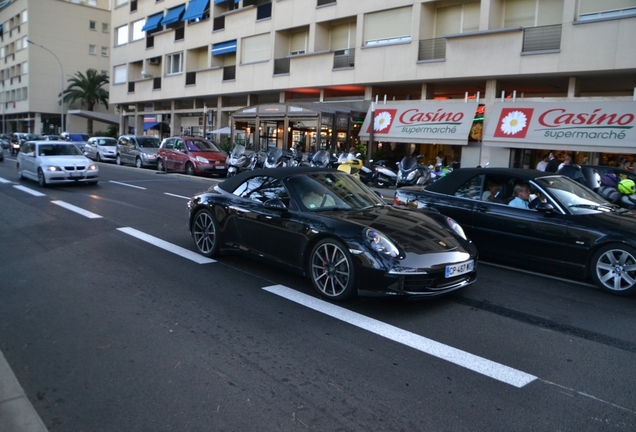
x: 162, y: 126
x: 152, y: 22
x: 224, y: 48
x: 195, y: 10
x: 173, y: 15
x: 422, y: 122
x: 583, y: 126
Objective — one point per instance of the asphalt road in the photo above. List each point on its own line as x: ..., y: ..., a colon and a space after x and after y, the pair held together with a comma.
x: 111, y: 324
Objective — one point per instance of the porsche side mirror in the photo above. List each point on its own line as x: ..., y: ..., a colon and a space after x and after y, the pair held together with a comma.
x: 275, y: 204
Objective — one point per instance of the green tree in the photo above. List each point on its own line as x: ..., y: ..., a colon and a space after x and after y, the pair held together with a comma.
x: 88, y: 89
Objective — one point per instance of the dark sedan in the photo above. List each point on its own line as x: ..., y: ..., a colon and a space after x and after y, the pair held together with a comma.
x: 327, y: 225
x: 573, y: 233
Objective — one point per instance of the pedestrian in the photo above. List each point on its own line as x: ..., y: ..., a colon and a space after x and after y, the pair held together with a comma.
x: 553, y: 164
x: 543, y: 163
x: 566, y: 161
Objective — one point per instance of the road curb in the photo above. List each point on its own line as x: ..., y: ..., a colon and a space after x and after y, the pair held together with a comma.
x: 16, y: 411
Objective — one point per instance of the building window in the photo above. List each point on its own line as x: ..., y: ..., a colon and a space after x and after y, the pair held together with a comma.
x: 120, y: 2
x: 119, y: 74
x: 122, y: 35
x: 255, y: 48
x: 533, y: 13
x: 390, y: 26
x: 298, y: 43
x: 92, y: 25
x: 25, y: 16
x: 25, y: 68
x: 174, y: 63
x: 343, y: 36
x: 25, y: 94
x: 105, y: 28
x: 593, y: 9
x: 457, y: 19
x: 92, y: 49
x: 137, y: 32
x: 104, y: 51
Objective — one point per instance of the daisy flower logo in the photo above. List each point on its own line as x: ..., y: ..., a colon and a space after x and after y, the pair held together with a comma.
x: 383, y: 120
x: 513, y: 123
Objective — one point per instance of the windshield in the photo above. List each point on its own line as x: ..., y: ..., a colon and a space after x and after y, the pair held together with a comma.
x: 408, y: 163
x: 107, y: 142
x: 32, y: 137
x: 201, y: 146
x: 238, y: 150
x: 332, y: 191
x: 572, y: 195
x: 58, y: 150
x: 149, y: 142
x: 321, y: 158
x: 274, y: 154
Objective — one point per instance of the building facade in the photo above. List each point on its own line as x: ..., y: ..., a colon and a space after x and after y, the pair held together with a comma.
x: 255, y: 65
x: 66, y: 36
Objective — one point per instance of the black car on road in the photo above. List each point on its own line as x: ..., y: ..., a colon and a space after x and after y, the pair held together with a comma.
x: 573, y: 233
x: 326, y: 224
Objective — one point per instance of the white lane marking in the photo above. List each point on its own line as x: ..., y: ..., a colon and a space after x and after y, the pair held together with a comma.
x: 185, y: 253
x: 29, y: 191
x: 126, y: 184
x: 178, y: 196
x: 77, y: 210
x: 475, y: 363
x: 5, y: 180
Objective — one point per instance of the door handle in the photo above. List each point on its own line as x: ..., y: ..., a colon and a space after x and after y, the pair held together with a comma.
x: 481, y: 208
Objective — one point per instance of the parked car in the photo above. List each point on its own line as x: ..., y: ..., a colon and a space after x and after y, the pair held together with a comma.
x: 51, y: 137
x: 574, y: 233
x: 74, y: 137
x: 101, y: 149
x: 331, y: 227
x: 52, y: 162
x: 193, y: 156
x: 4, y: 141
x: 140, y: 151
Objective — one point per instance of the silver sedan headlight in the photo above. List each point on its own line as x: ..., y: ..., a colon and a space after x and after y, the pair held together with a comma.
x: 380, y: 243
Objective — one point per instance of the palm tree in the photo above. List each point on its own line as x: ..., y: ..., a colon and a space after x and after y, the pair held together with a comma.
x: 88, y: 90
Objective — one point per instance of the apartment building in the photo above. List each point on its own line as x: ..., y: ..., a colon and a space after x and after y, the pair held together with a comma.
x: 499, y: 81
x: 66, y: 36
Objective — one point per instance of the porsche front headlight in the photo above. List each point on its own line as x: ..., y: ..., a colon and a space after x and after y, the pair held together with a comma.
x: 452, y: 224
x: 380, y: 243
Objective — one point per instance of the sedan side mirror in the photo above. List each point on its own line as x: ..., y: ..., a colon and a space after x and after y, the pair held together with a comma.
x: 544, y: 207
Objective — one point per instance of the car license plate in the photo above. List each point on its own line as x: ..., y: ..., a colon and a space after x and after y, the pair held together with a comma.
x: 74, y: 174
x: 219, y: 167
x: 459, y: 269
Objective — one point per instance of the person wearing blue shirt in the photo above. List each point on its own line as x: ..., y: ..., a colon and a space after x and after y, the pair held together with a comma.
x: 522, y: 196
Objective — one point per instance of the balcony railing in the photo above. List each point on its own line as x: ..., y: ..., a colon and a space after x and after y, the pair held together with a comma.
x: 156, y: 83
x: 219, y: 23
x: 544, y: 38
x: 281, y: 66
x: 229, y: 73
x: 432, y: 49
x: 191, y: 78
x: 344, y: 58
x: 264, y: 11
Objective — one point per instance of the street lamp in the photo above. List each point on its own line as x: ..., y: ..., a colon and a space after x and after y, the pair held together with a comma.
x: 62, y: 93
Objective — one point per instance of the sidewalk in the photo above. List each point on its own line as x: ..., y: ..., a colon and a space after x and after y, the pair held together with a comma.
x: 16, y: 412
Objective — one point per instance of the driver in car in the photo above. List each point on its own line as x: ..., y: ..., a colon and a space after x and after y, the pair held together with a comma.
x: 316, y: 196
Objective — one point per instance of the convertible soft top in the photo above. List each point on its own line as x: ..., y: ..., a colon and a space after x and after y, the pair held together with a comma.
x: 452, y: 181
x: 232, y: 183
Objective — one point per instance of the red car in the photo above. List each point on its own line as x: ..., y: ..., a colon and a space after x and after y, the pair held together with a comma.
x: 193, y: 156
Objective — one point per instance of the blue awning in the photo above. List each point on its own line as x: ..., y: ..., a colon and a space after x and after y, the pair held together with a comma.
x: 157, y: 125
x: 173, y: 15
x: 224, y: 47
x: 223, y: 1
x: 152, y: 22
x: 195, y: 9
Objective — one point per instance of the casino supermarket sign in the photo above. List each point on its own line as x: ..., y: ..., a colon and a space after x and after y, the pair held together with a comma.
x: 423, y: 122
x: 566, y: 123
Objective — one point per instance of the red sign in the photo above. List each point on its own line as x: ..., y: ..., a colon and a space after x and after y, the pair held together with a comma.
x: 513, y: 122
x: 382, y: 121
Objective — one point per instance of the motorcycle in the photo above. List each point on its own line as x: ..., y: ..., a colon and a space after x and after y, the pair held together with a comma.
x: 15, y: 148
x: 322, y: 159
x: 411, y: 172
x: 350, y: 166
x: 238, y: 161
x: 382, y: 176
x: 276, y: 158
x: 257, y: 160
x: 438, y: 172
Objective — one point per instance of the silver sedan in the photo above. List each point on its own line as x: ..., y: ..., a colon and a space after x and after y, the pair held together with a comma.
x: 101, y: 149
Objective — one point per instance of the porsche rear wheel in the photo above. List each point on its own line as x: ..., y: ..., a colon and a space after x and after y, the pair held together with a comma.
x: 614, y: 269
x: 204, y: 233
x: 331, y: 270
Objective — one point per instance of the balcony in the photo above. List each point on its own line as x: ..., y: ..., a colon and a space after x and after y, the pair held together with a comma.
x: 281, y: 66
x: 545, y: 38
x: 432, y: 49
x: 344, y: 58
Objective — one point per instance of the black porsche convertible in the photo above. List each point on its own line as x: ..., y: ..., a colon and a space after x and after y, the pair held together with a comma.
x: 571, y: 232
x: 329, y: 226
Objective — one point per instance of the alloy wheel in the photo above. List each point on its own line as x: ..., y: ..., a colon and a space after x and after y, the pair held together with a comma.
x: 615, y: 270
x: 331, y: 270
x: 204, y: 233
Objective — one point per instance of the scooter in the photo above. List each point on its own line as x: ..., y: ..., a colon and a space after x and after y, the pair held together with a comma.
x: 238, y: 160
x: 411, y: 172
x: 383, y: 176
x: 15, y: 148
x: 350, y: 166
x: 322, y: 159
x: 276, y: 158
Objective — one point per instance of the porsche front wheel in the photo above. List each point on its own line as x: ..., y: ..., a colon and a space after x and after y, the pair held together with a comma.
x: 331, y: 270
x: 205, y: 233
